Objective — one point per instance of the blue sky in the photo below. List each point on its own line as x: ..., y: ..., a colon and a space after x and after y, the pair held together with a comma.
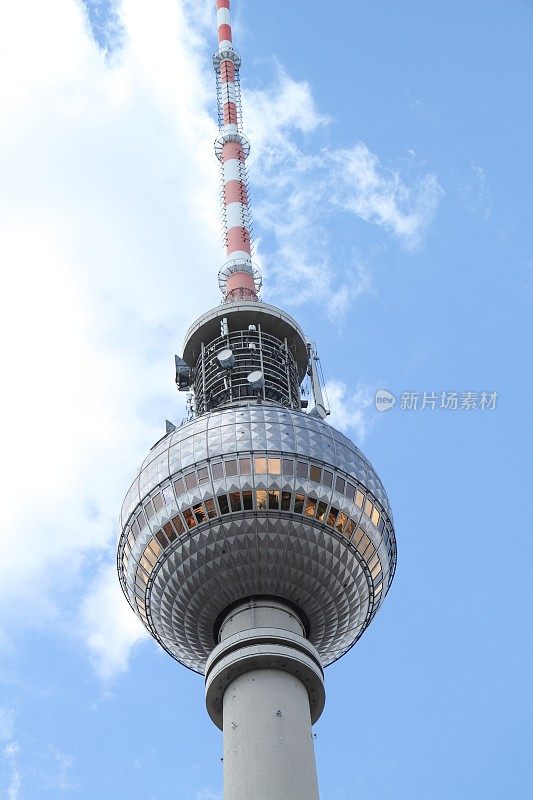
x: 391, y: 177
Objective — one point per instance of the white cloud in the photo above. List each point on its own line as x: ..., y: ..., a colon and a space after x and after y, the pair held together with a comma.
x: 302, y: 186
x: 351, y: 412
x: 108, y: 202
x: 108, y: 625
x: 361, y: 185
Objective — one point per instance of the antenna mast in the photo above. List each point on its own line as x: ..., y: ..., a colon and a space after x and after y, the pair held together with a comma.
x: 238, y: 279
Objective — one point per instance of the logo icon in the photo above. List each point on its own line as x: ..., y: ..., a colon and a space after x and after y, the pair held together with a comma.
x: 384, y: 400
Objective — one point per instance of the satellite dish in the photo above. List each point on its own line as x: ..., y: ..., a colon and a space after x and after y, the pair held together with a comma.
x: 256, y: 379
x: 226, y: 359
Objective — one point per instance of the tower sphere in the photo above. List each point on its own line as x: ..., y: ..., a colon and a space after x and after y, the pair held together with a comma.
x: 254, y: 498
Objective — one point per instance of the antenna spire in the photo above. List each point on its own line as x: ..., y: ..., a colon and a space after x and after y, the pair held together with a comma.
x: 238, y: 279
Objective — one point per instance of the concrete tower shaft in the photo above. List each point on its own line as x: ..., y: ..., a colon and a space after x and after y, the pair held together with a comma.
x: 265, y: 688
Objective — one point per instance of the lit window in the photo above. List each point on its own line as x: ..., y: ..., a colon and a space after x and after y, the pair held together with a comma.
x: 315, y: 474
x: 161, y: 538
x: 302, y: 469
x: 231, y: 468
x: 341, y: 522
x: 217, y: 471
x: 310, y: 507
x: 375, y: 570
x: 155, y: 547
x: 327, y: 478
x: 375, y: 516
x: 223, y: 503
x: 285, y: 501
x: 190, y: 480
x: 373, y: 561
x: 210, y: 510
x: 247, y: 501
x: 350, y: 491
x: 203, y: 475
x: 378, y: 589
x: 261, y: 499
x: 273, y: 500
x: 358, y: 536
x: 350, y: 525
x: 274, y: 466
x: 332, y: 516
x: 235, y: 501
x: 189, y: 518
x: 260, y: 466
x: 368, y: 507
x: 359, y: 498
x: 340, y: 484
x: 299, y: 503
x: 199, y: 513
x: 245, y: 466
x: 288, y: 467
x: 146, y: 564
x: 158, y: 501
x: 169, y: 530
x: 363, y: 543
x: 178, y: 524
x: 179, y: 486
x: 321, y: 511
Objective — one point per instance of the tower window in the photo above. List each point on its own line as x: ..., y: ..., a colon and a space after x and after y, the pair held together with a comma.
x: 273, y: 500
x: 274, y: 466
x: 245, y: 466
x: 261, y: 499
x: 327, y: 478
x: 286, y: 501
x: 299, y: 503
x: 288, y: 467
x: 217, y: 471
x: 302, y: 469
x: 235, y: 501
x: 315, y: 474
x: 203, y: 475
x: 223, y: 503
x: 191, y: 480
x: 231, y: 468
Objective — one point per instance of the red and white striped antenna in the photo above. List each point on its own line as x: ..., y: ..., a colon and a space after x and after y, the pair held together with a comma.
x: 239, y: 278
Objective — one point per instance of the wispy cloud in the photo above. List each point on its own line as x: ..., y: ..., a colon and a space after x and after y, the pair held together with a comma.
x: 475, y: 193
x: 379, y: 195
x: 351, y: 411
x: 109, y: 627
x: 302, y: 185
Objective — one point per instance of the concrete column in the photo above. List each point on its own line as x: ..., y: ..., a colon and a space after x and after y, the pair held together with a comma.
x: 264, y: 688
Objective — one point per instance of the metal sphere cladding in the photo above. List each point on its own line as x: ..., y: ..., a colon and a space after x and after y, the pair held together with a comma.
x: 253, y: 497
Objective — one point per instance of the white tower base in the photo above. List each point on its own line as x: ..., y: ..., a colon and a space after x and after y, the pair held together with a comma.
x: 264, y: 689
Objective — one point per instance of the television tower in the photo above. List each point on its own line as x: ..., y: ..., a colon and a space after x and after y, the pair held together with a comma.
x: 257, y: 542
